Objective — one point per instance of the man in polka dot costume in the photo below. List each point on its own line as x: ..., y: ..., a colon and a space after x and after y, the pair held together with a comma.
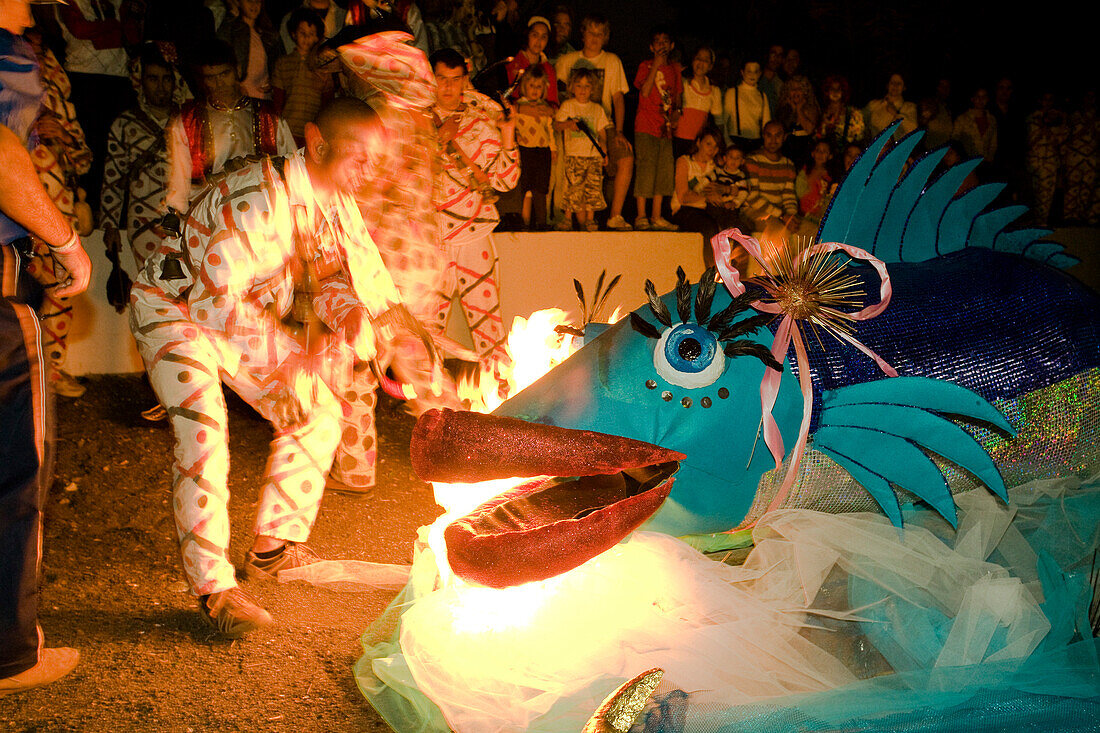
x: 260, y: 247
x: 479, y: 156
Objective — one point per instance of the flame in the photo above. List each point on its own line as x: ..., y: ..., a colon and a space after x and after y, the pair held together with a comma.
x: 533, y: 347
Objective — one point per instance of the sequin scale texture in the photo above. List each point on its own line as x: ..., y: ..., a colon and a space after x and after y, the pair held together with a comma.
x: 1058, y: 434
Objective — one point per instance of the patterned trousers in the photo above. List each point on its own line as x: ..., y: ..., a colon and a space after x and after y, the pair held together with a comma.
x: 183, y: 368
x: 56, y: 314
x: 358, y: 450
x: 471, y: 272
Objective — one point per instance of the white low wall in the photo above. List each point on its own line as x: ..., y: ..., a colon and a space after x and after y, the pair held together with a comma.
x: 536, y: 271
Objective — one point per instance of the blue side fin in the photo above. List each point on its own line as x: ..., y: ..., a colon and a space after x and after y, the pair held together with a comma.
x: 927, y: 394
x: 895, y: 459
x: 876, y: 431
x: 937, y: 434
x: 905, y: 218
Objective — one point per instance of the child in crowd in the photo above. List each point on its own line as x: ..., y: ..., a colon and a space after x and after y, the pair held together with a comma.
x: 537, y: 150
x: 538, y: 35
x: 746, y: 109
x: 298, y: 87
x: 730, y: 178
x: 608, y: 87
x: 814, y: 184
x: 772, y: 200
x: 701, y: 100
x: 661, y: 90
x: 582, y: 119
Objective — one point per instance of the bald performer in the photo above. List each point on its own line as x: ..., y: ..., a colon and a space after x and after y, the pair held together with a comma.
x: 272, y: 243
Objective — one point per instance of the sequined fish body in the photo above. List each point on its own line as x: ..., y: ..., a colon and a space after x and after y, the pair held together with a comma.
x: 998, y: 358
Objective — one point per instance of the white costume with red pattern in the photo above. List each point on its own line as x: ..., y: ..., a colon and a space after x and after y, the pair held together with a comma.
x: 467, y: 219
x: 244, y: 245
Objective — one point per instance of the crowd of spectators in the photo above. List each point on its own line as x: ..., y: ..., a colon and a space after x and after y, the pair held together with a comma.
x: 654, y: 113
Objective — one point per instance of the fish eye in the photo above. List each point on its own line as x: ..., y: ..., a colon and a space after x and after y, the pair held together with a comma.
x: 687, y: 355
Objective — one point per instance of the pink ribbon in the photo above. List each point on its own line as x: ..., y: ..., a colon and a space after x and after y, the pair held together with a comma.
x: 788, y: 333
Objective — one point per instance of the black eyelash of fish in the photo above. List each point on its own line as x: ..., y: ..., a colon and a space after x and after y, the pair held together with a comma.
x: 721, y: 325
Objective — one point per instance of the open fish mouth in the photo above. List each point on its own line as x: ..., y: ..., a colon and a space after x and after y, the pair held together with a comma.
x: 589, y: 490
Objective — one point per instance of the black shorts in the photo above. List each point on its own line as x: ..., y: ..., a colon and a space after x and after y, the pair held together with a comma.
x: 534, y: 169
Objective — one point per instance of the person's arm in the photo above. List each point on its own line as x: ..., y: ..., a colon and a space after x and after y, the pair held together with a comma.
x: 618, y: 106
x: 23, y: 199
x: 562, y: 121
x: 789, y: 200
x: 683, y: 190
x: 646, y: 76
x: 178, y: 185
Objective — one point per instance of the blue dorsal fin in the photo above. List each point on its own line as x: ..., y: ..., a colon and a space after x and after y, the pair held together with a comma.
x: 876, y: 194
x: 991, y: 224
x: 844, y: 207
x: 921, y: 233
x: 912, y: 220
x: 906, y: 195
x: 961, y: 215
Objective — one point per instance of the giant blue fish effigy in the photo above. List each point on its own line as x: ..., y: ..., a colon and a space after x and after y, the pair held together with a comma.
x: 902, y: 417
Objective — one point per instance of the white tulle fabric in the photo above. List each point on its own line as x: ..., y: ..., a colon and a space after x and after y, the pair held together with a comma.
x: 541, y: 657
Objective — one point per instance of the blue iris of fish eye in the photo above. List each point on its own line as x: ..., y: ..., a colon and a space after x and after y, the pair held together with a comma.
x: 690, y: 348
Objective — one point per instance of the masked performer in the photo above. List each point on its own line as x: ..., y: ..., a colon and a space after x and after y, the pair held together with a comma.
x: 394, y: 77
x: 273, y: 241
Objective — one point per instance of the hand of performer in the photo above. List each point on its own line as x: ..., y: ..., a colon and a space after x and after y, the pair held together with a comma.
x: 49, y: 128
x: 507, y: 126
x: 73, y: 271
x: 357, y: 332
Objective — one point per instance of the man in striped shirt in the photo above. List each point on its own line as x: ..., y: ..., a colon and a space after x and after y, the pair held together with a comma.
x: 772, y: 201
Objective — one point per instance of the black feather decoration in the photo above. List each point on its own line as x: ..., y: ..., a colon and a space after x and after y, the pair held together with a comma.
x: 580, y: 296
x: 704, y: 296
x: 660, y: 310
x: 683, y: 295
x: 748, y: 325
x: 723, y: 318
x: 751, y: 348
x: 643, y: 327
x: 598, y: 306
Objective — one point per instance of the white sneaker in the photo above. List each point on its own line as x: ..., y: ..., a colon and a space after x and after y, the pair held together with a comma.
x: 641, y: 224
x: 618, y: 224
x: 662, y: 224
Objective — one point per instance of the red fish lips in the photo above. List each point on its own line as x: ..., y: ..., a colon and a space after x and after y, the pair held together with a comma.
x: 591, y: 491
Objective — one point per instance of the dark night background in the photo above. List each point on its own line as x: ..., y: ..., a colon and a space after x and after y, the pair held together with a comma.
x: 971, y: 43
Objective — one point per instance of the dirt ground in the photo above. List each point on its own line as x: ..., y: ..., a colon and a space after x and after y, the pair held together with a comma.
x: 113, y: 585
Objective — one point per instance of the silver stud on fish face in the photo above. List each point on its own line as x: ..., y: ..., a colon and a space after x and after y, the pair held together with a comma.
x: 650, y: 384
x: 723, y: 392
x: 666, y: 396
x: 686, y: 402
x: 705, y: 402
